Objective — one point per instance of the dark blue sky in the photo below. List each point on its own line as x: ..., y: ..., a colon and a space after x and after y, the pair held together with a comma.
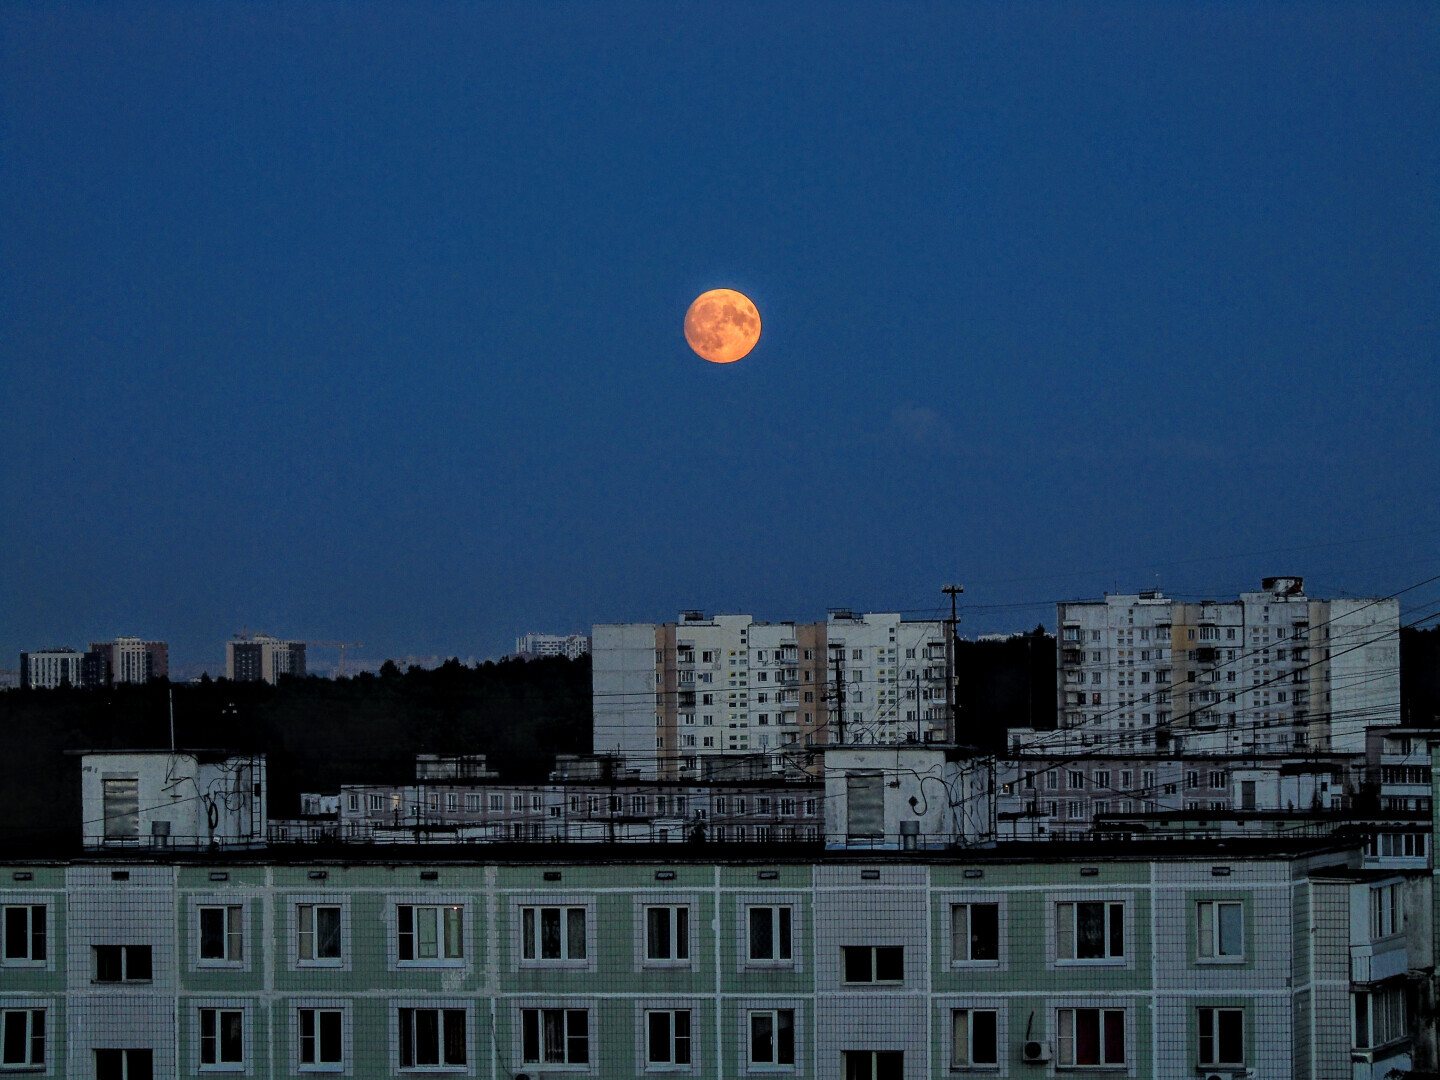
x: 363, y: 321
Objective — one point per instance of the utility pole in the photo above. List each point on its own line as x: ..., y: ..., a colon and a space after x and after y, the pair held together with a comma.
x: 951, y: 661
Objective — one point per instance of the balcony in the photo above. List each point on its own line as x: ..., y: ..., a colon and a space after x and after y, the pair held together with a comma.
x: 1378, y: 961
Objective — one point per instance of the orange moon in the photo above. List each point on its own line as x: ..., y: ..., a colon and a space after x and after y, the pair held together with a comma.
x: 722, y: 326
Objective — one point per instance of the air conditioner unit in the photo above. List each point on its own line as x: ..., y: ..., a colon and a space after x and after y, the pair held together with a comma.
x: 1035, y: 1052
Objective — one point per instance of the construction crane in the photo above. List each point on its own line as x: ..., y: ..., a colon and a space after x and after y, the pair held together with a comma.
x: 342, y: 646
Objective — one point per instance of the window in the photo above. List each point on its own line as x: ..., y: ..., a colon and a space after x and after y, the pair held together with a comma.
x: 25, y: 934
x: 321, y: 1043
x: 874, y: 963
x: 221, y: 934
x: 974, y: 933
x: 973, y: 1040
x: 874, y: 1064
x: 1091, y: 1036
x: 667, y: 1037
x: 772, y: 1037
x: 1221, y: 930
x: 318, y: 933
x: 122, y: 963
x: 1379, y: 1017
x: 222, y: 1038
x: 1222, y: 1037
x: 552, y: 933
x: 22, y: 1039
x: 1386, y: 915
x: 555, y: 1036
x: 121, y: 807
x: 472, y: 804
x: 770, y: 934
x: 497, y: 802
x: 1089, y: 930
x: 667, y: 933
x: 124, y: 1064
x: 432, y: 1038
x: 430, y: 932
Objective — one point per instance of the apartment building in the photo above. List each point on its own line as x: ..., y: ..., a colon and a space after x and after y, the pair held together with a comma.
x: 570, y: 646
x: 676, y: 700
x: 50, y: 669
x: 1186, y: 960
x: 1274, y: 671
x: 134, y: 660
x: 260, y: 657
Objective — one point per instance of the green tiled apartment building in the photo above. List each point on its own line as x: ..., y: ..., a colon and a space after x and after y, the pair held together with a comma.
x: 1138, y: 960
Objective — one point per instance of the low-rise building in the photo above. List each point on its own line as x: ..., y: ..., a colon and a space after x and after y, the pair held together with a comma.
x: 159, y: 800
x: 1175, y: 960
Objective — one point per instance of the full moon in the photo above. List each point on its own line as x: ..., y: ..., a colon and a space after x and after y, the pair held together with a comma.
x: 722, y: 325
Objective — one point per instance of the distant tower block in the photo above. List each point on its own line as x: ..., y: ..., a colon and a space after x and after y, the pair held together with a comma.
x: 262, y: 658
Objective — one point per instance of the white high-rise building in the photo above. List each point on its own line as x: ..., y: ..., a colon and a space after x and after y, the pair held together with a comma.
x: 570, y: 646
x: 134, y: 660
x: 677, y: 699
x: 1274, y: 671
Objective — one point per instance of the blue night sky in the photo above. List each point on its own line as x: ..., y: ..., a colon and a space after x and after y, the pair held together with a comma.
x: 363, y: 321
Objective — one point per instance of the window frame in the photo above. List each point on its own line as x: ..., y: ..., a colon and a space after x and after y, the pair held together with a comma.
x: 442, y: 1007
x: 874, y: 979
x: 216, y: 1010
x: 952, y: 907
x: 1103, y: 1012
x: 1215, y: 932
x: 679, y: 929
x: 296, y: 905
x: 567, y: 1010
x: 230, y: 933
x: 749, y: 1011
x: 1214, y: 1012
x: 873, y: 1066
x: 318, y: 1006
x: 1055, y: 917
x: 673, y: 1038
x: 441, y: 908
x: 782, y: 935
x: 43, y: 933
x: 124, y: 1053
x: 125, y: 965
x: 564, y: 902
x: 29, y: 1008
x: 970, y: 1064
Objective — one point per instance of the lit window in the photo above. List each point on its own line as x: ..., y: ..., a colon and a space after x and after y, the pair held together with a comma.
x: 429, y: 932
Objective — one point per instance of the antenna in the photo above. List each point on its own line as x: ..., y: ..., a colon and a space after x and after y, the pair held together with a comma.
x: 172, y: 721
